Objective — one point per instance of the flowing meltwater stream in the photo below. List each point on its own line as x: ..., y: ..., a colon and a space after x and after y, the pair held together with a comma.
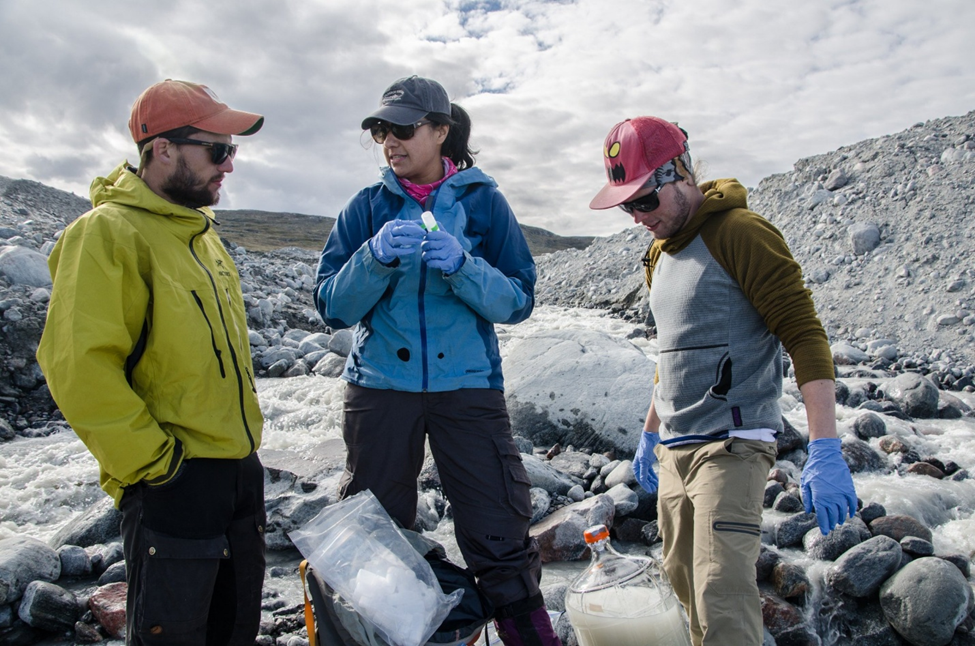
x: 47, y: 481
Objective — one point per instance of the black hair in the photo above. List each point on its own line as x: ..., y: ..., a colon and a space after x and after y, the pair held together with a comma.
x: 145, y: 150
x: 457, y: 144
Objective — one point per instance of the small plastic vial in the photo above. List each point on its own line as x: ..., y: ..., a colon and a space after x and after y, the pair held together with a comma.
x: 429, y: 222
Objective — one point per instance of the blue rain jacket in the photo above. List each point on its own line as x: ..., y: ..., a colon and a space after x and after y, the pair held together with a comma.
x: 417, y: 329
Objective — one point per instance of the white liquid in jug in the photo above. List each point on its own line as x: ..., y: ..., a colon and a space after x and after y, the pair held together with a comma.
x: 638, y: 617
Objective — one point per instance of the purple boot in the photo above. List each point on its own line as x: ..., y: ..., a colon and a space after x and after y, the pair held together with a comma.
x: 526, y: 623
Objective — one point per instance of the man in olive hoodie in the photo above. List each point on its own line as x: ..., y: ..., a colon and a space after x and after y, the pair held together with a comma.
x: 726, y: 296
x: 146, y: 353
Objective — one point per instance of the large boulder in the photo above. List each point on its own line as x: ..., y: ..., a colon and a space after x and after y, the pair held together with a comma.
x: 23, y: 560
x: 926, y: 600
x: 560, y: 535
x: 578, y: 387
x: 49, y: 607
x: 917, y: 396
x: 23, y: 266
x: 861, y: 570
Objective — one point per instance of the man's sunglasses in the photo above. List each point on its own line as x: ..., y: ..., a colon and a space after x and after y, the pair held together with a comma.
x: 381, y: 129
x: 644, y: 204
x: 219, y: 153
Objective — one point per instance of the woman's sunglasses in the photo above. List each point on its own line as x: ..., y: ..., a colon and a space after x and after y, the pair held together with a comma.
x: 219, y: 153
x: 644, y: 204
x: 381, y: 129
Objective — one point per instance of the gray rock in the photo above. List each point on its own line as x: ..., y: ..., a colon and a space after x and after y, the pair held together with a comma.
x: 576, y: 493
x: 869, y: 425
x: 48, y: 607
x: 861, y: 570
x: 74, y: 561
x: 560, y: 535
x: 926, y: 601
x: 917, y: 396
x: 837, y: 179
x: 864, y: 237
x: 331, y: 365
x: 861, y: 457
x: 622, y: 474
x: 288, y: 512
x: 115, y: 573
x: 787, y: 502
x: 341, y: 342
x: 543, y: 475
x: 624, y: 498
x: 100, y: 523
x: 541, y: 503
x: 790, y: 531
x: 573, y: 463
x: 845, y: 354
x: 23, y: 266
x: 833, y: 545
x: 897, y: 526
x: 917, y: 546
x: 23, y: 560
x: 872, y: 512
x: 772, y: 491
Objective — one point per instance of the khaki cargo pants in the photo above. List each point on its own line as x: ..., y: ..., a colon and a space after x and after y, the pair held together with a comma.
x: 710, y: 515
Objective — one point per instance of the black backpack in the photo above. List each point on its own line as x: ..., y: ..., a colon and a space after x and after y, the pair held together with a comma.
x: 331, y: 620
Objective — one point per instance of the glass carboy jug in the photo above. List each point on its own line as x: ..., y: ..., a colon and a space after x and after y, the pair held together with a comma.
x: 623, y: 600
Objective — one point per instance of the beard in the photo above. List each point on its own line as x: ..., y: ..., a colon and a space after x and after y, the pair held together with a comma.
x: 186, y: 189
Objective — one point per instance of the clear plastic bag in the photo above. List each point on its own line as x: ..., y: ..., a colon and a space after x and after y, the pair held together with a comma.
x: 357, y: 549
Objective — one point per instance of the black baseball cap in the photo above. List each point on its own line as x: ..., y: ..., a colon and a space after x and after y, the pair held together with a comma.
x: 408, y: 100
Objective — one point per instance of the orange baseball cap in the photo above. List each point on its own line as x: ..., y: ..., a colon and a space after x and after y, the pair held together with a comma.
x: 174, y: 104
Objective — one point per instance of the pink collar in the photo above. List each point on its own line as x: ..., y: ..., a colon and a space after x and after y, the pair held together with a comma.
x: 420, y: 192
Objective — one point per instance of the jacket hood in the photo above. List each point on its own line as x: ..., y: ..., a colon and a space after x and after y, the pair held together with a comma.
x: 122, y: 186
x: 720, y: 195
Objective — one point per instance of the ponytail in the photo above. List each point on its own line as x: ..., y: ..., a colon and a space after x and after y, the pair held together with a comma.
x: 456, y: 146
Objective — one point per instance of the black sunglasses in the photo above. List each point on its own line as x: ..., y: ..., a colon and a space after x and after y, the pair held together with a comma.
x: 219, y: 153
x: 644, y: 204
x: 381, y: 129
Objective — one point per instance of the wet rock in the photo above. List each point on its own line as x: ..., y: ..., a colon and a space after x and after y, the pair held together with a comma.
x: 624, y: 498
x: 897, y: 526
x: 74, y: 561
x: 772, y: 491
x: 891, y: 444
x: 99, y: 524
x: 115, y: 573
x: 86, y: 634
x: 917, y: 546
x: 859, y: 622
x: 780, y: 616
x: 926, y: 601
x: 650, y: 534
x: 560, y: 535
x: 790, y: 531
x: 789, y: 580
x: 630, y: 530
x: 869, y: 425
x: 49, y: 607
x: 861, y: 457
x: 767, y: 560
x: 962, y: 562
x: 104, y: 556
x: 833, y: 545
x: 789, y: 439
x: 917, y: 396
x: 861, y: 570
x: 787, y: 502
x: 926, y: 469
x: 107, y: 603
x: 23, y: 560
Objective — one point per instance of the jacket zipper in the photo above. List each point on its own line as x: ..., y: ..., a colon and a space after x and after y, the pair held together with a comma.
x: 223, y: 322
x: 213, y: 339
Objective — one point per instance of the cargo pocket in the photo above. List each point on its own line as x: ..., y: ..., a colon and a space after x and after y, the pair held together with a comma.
x: 177, y: 582
x: 517, y: 484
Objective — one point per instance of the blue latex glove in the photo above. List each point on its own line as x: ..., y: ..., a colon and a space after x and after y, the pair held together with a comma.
x: 396, y: 238
x: 827, y: 485
x: 643, y: 461
x: 442, y: 251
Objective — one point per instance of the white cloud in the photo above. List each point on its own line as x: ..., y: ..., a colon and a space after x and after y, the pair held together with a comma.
x: 757, y: 84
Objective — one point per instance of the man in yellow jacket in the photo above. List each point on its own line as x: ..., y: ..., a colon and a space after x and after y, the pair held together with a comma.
x: 146, y: 353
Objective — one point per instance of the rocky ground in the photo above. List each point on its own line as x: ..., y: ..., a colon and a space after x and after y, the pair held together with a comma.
x: 882, y: 232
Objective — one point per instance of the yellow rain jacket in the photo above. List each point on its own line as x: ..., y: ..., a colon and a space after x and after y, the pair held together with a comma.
x: 145, y: 348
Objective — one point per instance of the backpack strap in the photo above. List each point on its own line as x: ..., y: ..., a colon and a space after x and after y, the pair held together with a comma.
x: 309, y: 614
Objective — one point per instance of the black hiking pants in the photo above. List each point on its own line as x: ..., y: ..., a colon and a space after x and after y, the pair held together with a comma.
x: 194, y: 554
x: 480, y: 469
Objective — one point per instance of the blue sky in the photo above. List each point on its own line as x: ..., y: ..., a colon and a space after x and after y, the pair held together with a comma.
x: 757, y: 84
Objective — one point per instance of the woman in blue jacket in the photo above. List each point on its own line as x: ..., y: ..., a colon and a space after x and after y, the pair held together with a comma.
x: 425, y: 362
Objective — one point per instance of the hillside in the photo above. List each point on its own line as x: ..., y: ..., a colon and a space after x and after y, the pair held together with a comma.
x: 264, y: 231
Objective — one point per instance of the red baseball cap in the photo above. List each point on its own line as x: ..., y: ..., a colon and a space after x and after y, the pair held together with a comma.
x: 633, y: 150
x: 174, y: 104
